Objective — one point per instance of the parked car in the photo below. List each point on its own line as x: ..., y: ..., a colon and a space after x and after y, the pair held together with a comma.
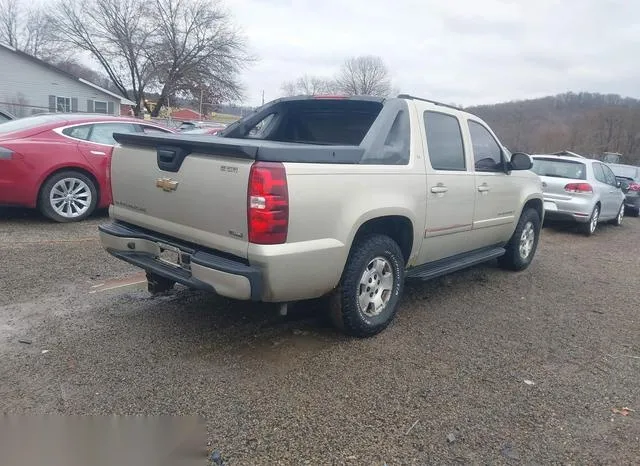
x: 339, y: 197
x: 59, y: 163
x: 5, y: 116
x: 580, y: 190
x: 210, y: 130
x: 629, y: 177
x: 191, y: 125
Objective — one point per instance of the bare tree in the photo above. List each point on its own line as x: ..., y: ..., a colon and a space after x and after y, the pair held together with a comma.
x: 39, y: 37
x: 309, y: 85
x: 9, y: 20
x: 27, y: 29
x: 364, y: 75
x: 176, y: 47
x: 197, y: 52
x: 116, y: 33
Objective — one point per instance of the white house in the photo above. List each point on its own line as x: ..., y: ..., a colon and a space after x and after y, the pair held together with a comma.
x: 29, y: 85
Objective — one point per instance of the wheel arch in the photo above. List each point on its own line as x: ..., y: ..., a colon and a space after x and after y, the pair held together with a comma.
x: 397, y: 226
x: 536, y: 204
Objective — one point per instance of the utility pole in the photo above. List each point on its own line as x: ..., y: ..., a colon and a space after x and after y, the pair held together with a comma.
x: 262, y: 96
x: 201, y: 92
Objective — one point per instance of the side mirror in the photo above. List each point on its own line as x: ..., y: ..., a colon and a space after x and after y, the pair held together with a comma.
x: 520, y: 161
x: 618, y: 184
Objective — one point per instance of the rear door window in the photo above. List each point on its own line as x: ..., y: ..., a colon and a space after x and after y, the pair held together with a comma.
x: 102, y: 133
x: 444, y: 141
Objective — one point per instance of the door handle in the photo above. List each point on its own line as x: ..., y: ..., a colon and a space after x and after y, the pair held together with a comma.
x: 483, y: 188
x: 439, y: 189
x: 98, y: 152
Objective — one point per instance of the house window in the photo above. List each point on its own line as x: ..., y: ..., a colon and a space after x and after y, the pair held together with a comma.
x: 63, y: 104
x: 99, y: 107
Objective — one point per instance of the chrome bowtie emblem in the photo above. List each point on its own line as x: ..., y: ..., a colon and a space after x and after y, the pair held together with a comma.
x: 166, y: 184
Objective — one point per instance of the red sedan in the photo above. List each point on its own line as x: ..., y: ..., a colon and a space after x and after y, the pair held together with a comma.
x: 59, y: 163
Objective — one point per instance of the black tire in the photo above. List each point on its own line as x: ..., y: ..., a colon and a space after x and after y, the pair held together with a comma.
x: 44, y: 203
x: 514, y: 259
x: 345, y: 309
x: 618, y: 220
x: 587, y: 229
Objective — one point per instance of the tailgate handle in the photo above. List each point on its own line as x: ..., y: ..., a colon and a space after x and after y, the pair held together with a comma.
x: 170, y: 158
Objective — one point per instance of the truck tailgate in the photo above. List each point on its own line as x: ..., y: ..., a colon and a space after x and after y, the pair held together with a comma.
x: 186, y: 189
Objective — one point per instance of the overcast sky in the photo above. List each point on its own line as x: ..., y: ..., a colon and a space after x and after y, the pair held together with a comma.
x: 459, y: 51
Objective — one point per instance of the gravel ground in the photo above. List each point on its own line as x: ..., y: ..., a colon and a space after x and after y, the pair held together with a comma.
x: 481, y: 367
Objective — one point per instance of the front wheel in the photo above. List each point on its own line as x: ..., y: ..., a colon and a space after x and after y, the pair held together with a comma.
x: 523, y: 244
x: 68, y: 196
x: 371, y: 286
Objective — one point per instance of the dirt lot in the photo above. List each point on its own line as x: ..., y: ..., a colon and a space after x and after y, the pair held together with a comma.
x: 281, y: 392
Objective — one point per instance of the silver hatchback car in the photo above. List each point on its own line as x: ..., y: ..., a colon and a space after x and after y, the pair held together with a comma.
x: 579, y: 189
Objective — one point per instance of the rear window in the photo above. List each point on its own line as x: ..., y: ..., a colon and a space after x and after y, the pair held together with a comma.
x: 21, y: 124
x: 631, y: 173
x: 559, y: 168
x: 312, y: 121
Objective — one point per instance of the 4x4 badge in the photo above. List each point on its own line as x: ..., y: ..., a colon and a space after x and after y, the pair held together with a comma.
x: 166, y: 184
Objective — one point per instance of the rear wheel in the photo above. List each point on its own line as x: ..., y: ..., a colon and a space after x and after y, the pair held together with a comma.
x: 371, y: 286
x: 524, y: 242
x: 618, y: 220
x: 589, y: 228
x: 68, y: 196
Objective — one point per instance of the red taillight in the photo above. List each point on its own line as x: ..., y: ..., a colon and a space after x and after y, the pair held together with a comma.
x: 634, y: 187
x: 578, y: 188
x: 268, y: 203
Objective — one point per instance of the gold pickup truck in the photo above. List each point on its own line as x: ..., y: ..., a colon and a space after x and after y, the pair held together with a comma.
x: 323, y: 196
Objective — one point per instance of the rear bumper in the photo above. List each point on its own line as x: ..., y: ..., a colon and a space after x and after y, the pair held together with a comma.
x: 577, y: 209
x: 632, y: 200
x: 206, y: 270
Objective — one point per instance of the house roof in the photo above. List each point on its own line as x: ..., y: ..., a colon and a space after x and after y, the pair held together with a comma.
x: 26, y: 56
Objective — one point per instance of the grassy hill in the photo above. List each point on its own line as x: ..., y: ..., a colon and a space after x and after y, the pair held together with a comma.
x: 586, y: 123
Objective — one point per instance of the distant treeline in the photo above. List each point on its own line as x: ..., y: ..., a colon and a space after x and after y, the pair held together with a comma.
x: 586, y: 123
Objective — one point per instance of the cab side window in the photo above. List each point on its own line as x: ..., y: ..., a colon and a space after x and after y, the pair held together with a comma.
x: 444, y: 141
x: 487, y: 154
